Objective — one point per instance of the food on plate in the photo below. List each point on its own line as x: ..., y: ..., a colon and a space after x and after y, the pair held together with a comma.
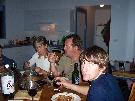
x: 64, y: 98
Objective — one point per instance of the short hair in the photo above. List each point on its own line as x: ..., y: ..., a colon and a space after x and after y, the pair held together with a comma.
x: 96, y: 55
x: 0, y: 46
x: 41, y: 40
x: 76, y: 40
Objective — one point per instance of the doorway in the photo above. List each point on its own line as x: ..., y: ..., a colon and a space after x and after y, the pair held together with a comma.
x: 81, y: 24
x: 88, y: 21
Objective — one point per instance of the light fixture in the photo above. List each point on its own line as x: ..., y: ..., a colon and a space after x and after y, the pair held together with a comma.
x: 47, y: 26
x: 102, y: 5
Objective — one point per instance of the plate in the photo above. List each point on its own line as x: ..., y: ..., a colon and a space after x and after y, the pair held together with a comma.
x: 76, y: 97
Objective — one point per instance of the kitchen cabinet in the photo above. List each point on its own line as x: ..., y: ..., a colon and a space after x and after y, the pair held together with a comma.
x: 23, y: 53
x: 20, y: 54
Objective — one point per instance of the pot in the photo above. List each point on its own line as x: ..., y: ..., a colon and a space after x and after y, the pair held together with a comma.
x: 30, y: 75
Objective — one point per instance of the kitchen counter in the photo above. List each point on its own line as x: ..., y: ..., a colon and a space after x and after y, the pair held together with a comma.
x: 124, y: 75
x: 22, y: 53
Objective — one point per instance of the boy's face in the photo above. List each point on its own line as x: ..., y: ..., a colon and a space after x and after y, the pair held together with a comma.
x: 90, y: 71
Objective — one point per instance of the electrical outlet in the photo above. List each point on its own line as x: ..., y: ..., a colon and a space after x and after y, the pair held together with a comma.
x: 115, y: 40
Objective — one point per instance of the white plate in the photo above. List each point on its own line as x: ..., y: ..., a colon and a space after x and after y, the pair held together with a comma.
x: 76, y: 97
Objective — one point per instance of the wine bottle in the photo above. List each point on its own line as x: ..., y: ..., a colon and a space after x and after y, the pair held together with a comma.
x: 131, y: 65
x: 7, y: 81
x: 75, y: 75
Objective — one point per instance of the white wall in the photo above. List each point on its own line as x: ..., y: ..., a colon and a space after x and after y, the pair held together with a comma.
x: 122, y: 20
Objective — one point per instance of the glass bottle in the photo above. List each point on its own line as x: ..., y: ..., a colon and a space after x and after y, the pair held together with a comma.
x: 75, y: 75
x: 13, y: 66
x: 7, y: 81
x: 131, y: 65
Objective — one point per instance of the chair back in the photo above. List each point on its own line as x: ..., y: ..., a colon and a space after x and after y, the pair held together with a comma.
x: 58, y: 54
x: 132, y: 93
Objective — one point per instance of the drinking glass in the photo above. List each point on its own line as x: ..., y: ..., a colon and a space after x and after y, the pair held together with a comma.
x: 51, y: 77
x: 32, y: 88
x: 56, y: 85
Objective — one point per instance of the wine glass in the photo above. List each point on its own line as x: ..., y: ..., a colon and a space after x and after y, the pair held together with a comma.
x: 56, y: 85
x: 51, y: 77
x: 32, y: 88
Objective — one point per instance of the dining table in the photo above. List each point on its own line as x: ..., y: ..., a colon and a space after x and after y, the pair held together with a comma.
x: 48, y: 92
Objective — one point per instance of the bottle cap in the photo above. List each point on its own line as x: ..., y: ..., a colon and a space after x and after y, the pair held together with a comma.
x: 76, y: 65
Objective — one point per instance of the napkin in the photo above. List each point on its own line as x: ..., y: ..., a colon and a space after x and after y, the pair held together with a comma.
x: 23, y: 94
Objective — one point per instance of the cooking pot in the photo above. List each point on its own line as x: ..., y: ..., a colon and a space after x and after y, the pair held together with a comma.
x: 30, y: 75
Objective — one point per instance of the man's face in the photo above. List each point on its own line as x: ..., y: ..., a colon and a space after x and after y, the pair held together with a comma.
x: 68, y: 48
x: 41, y: 49
x: 90, y: 71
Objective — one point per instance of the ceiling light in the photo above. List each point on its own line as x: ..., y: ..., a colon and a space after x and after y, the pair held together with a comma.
x: 102, y: 5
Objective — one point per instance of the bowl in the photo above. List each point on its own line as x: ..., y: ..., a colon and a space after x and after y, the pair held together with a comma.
x: 30, y: 75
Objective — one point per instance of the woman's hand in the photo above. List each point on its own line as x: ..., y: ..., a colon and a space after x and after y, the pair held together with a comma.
x: 38, y: 69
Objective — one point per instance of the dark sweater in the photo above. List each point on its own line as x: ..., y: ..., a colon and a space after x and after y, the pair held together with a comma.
x: 6, y: 60
x: 105, y: 88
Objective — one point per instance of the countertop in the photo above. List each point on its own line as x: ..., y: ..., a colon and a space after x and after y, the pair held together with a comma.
x: 124, y: 75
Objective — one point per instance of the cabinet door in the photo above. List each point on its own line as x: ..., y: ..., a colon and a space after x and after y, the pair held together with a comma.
x: 19, y: 54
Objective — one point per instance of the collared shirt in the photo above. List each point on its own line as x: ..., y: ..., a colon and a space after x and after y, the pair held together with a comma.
x: 65, y: 64
x: 41, y: 62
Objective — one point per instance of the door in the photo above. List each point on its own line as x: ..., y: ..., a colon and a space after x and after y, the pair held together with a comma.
x: 81, y: 24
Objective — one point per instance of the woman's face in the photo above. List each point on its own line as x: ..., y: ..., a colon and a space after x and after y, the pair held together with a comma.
x: 41, y: 49
x: 90, y: 71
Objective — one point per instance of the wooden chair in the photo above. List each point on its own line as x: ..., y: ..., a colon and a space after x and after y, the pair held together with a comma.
x: 132, y: 93
x: 58, y: 54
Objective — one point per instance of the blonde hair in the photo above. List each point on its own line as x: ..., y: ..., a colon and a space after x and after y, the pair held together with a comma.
x: 42, y: 41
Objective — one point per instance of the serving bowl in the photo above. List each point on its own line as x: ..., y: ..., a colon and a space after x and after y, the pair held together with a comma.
x: 30, y: 75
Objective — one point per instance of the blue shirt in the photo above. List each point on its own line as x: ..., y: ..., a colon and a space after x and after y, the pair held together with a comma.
x: 6, y: 60
x: 105, y: 88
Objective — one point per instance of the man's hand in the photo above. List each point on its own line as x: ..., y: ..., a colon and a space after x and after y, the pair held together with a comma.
x: 52, y: 58
x: 1, y: 68
x: 65, y: 83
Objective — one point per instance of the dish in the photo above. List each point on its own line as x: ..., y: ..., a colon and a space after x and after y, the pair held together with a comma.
x: 76, y: 97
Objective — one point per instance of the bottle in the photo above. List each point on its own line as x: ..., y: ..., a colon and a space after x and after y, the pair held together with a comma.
x: 75, y: 75
x: 63, y: 40
x: 13, y: 66
x: 7, y: 81
x: 131, y: 65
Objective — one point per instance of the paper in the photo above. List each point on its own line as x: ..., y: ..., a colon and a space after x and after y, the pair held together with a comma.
x: 23, y: 94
